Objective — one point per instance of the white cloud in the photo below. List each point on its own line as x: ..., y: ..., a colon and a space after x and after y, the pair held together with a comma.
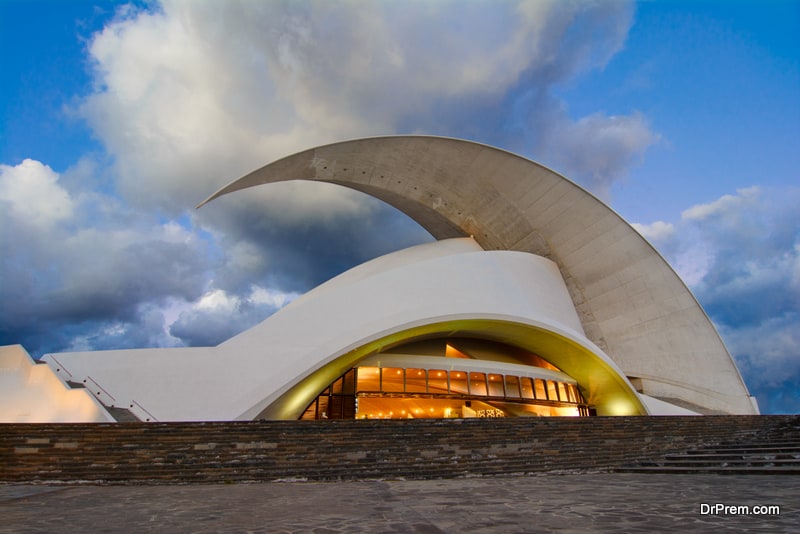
x: 600, y: 149
x: 656, y: 231
x: 271, y: 297
x: 217, y: 300
x: 34, y: 195
x: 218, y: 315
x: 722, y: 205
x: 195, y: 94
x: 694, y: 262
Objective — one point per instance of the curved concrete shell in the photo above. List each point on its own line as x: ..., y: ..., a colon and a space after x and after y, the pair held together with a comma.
x: 445, y: 289
x: 536, y: 299
x: 630, y: 302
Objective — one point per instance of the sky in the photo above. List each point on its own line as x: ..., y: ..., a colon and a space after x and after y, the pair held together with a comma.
x: 116, y: 119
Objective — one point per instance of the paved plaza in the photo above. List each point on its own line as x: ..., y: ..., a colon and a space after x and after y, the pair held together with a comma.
x: 597, y: 502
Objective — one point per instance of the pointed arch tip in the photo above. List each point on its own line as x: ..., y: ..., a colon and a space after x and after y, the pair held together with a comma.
x: 217, y: 193
x: 212, y: 197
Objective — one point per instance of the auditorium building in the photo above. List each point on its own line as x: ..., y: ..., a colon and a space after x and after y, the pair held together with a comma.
x: 535, y: 299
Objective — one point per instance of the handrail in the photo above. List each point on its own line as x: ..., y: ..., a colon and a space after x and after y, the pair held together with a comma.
x: 110, y: 396
x: 60, y: 366
x: 152, y: 418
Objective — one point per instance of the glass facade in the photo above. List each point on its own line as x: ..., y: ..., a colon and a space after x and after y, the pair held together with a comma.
x: 395, y: 392
x: 337, y: 401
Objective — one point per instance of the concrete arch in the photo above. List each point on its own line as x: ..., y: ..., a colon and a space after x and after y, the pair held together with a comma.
x: 630, y: 302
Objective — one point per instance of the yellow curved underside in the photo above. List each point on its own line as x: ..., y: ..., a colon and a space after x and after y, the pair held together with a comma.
x: 599, y: 382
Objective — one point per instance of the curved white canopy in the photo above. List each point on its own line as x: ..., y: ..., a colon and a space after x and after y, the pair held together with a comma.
x: 630, y: 302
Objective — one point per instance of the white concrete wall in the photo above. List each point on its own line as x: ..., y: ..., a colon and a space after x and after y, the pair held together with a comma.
x: 31, y: 393
x: 441, y: 281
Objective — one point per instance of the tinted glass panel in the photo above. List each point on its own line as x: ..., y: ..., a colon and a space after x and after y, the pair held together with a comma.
x: 311, y: 412
x: 437, y: 381
x: 551, y: 390
x: 392, y: 380
x: 415, y: 380
x: 458, y: 382
x: 369, y: 379
x: 349, y: 386
x: 525, y: 387
x: 336, y: 387
x: 477, y: 384
x: 496, y: 386
x: 322, y: 408
x: 562, y: 391
x: 540, y: 389
x: 512, y: 386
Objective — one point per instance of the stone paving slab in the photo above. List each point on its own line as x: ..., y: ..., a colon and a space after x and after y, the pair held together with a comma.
x: 597, y: 502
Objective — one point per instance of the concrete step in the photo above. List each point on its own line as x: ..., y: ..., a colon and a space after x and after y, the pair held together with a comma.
x: 774, y: 452
x: 772, y: 449
x: 711, y: 470
x: 721, y: 464
x: 728, y: 456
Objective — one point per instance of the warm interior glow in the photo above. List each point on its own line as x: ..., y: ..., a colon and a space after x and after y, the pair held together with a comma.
x: 603, y: 386
x: 415, y: 392
x: 421, y: 408
x: 452, y: 352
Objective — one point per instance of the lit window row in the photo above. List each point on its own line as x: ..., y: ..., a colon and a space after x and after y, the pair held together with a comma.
x: 443, y: 382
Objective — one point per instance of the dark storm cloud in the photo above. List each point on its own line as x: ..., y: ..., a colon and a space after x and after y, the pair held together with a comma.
x: 69, y: 280
x: 296, y: 253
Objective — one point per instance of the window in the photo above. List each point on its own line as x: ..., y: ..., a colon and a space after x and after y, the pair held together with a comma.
x: 512, y: 386
x: 496, y: 385
x: 437, y: 381
x: 349, y: 385
x: 526, y: 388
x: 551, y: 390
x: 540, y: 389
x: 397, y: 392
x: 369, y: 379
x: 415, y: 381
x: 392, y: 380
x: 562, y: 392
x: 477, y: 384
x: 458, y: 382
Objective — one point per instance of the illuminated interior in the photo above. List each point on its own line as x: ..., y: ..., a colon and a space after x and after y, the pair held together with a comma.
x: 453, y: 378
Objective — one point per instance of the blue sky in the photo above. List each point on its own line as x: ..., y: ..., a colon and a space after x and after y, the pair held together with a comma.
x: 117, y: 119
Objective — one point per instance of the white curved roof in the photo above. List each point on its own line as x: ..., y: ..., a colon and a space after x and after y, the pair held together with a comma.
x: 275, y: 369
x: 629, y: 301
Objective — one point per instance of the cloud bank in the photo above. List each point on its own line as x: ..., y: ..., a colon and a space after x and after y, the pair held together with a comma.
x: 187, y: 96
x: 192, y: 94
x: 740, y: 254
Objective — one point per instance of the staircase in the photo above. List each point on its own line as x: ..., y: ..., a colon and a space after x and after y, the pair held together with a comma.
x: 773, y: 452
x: 220, y: 452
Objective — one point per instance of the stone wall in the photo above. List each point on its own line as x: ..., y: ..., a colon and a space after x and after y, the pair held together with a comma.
x: 332, y: 450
